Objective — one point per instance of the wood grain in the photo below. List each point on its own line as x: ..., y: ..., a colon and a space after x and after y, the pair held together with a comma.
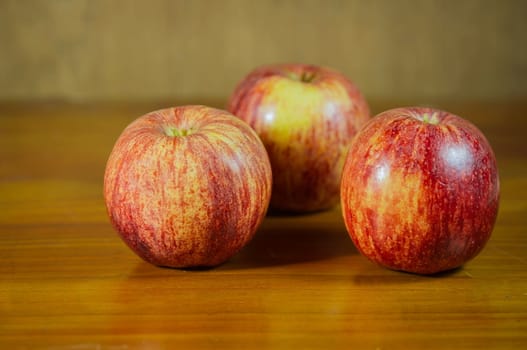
x: 68, y: 282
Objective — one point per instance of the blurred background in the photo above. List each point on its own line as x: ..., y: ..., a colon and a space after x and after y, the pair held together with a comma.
x: 181, y: 50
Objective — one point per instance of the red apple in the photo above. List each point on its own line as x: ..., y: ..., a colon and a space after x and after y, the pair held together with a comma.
x: 306, y: 116
x: 187, y: 186
x: 420, y: 190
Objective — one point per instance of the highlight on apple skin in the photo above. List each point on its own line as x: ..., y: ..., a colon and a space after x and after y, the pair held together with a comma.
x: 187, y: 186
x: 420, y: 190
x: 306, y: 116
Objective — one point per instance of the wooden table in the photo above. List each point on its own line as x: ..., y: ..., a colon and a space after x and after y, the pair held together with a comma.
x: 68, y: 282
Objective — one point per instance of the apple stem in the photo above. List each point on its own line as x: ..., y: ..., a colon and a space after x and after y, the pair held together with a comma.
x: 307, y: 77
x: 431, y: 119
x: 175, y: 132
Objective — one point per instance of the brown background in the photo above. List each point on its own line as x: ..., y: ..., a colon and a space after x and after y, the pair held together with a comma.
x: 183, y: 50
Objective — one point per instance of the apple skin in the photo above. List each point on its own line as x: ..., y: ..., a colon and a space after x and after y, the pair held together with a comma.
x: 306, y: 116
x: 420, y: 190
x: 187, y: 186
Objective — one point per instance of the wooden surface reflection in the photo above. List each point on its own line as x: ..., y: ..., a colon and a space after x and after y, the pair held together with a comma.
x: 68, y: 282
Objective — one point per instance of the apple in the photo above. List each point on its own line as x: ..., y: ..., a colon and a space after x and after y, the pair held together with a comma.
x: 187, y: 186
x: 420, y: 190
x: 306, y: 116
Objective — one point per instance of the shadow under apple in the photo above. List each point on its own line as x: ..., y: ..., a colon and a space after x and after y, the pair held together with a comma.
x: 292, y: 239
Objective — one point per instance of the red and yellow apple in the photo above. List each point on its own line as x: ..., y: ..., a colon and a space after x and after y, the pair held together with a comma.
x: 187, y: 186
x: 306, y: 117
x: 420, y: 190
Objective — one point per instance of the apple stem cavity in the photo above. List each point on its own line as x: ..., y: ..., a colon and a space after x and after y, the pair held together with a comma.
x: 175, y: 132
x: 304, y: 77
x: 307, y: 77
x: 430, y: 118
